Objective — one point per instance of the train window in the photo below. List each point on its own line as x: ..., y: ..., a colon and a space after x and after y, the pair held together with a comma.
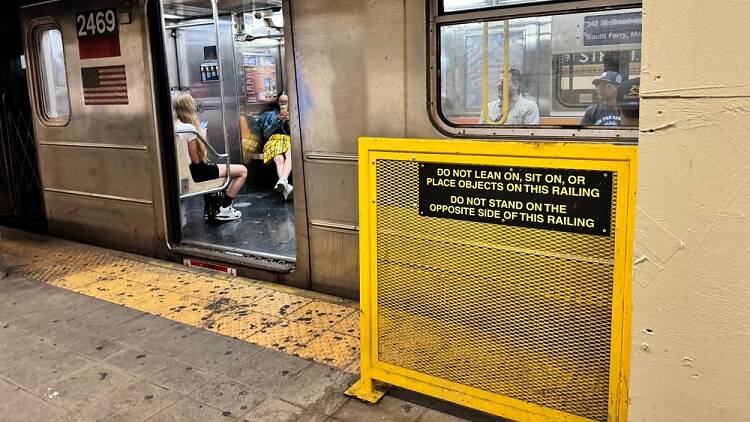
x: 462, y: 5
x: 55, y: 102
x: 565, y: 70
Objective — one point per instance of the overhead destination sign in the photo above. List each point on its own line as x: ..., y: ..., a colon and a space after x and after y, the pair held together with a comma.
x: 612, y: 29
x: 567, y: 200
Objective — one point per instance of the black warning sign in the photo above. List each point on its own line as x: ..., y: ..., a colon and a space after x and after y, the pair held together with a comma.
x: 568, y: 200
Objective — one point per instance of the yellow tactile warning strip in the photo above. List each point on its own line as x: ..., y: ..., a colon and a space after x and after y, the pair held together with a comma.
x: 297, y: 322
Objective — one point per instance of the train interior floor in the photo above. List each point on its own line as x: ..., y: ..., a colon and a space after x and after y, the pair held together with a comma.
x: 91, y: 334
x: 267, y: 224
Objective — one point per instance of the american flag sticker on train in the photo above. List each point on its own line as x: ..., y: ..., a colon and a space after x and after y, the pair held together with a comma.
x: 104, y: 85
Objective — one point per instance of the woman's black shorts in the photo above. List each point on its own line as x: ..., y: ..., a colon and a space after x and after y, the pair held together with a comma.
x: 204, y: 171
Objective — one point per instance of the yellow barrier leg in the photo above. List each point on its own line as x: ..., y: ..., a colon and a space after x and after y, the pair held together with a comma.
x: 364, y: 389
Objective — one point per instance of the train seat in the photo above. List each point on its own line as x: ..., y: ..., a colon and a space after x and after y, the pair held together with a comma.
x: 187, y: 184
x: 251, y: 142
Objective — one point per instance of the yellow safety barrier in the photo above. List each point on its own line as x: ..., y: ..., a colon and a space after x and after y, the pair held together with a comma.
x: 497, y: 275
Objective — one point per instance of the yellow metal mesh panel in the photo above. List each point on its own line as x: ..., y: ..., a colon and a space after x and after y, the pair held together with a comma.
x: 524, y: 313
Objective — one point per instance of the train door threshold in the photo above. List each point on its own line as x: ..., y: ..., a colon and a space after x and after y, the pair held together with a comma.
x: 235, y: 256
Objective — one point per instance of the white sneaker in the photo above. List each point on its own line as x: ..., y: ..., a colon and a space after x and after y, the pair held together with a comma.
x: 228, y: 213
x: 288, y: 194
x: 281, y: 185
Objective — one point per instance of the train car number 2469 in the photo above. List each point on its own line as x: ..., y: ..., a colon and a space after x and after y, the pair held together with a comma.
x: 97, y: 22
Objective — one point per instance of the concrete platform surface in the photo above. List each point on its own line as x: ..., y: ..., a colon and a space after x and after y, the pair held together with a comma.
x: 67, y: 357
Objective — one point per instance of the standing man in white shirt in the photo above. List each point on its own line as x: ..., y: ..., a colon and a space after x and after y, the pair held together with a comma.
x: 522, y: 111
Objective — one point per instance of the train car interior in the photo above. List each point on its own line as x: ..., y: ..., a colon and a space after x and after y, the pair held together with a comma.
x: 557, y: 60
x: 230, y: 59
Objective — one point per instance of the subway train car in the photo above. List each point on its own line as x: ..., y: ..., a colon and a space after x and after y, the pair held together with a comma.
x: 102, y: 76
x: 111, y: 170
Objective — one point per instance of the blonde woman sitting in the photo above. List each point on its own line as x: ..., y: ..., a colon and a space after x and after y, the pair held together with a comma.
x: 201, y: 169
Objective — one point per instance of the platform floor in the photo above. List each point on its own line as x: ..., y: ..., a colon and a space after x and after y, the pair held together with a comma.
x: 88, y: 334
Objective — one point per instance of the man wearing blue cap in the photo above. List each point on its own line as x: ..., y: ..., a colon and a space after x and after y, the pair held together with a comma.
x: 629, y: 102
x: 604, y: 113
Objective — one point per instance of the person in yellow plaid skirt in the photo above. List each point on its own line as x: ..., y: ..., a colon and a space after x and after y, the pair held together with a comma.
x: 275, y: 127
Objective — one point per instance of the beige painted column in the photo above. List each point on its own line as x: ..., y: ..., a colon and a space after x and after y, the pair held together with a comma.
x: 691, y: 295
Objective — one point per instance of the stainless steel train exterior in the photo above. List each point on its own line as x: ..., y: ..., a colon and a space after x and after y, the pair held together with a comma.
x: 101, y: 167
x: 105, y: 171
x: 365, y: 68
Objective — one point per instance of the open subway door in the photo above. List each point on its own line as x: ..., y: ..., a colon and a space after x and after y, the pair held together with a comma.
x: 212, y: 51
x: 498, y: 276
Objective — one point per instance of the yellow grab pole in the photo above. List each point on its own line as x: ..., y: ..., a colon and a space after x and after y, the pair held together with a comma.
x: 485, y: 73
x: 506, y: 72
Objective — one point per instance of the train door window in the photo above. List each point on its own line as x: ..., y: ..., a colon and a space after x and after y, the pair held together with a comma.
x: 573, y: 68
x: 462, y: 5
x: 54, y: 102
x: 229, y: 57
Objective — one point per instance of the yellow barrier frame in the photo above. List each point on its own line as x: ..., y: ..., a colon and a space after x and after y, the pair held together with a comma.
x: 620, y: 159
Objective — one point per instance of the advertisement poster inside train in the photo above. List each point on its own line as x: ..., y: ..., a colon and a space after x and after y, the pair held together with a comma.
x: 260, y: 78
